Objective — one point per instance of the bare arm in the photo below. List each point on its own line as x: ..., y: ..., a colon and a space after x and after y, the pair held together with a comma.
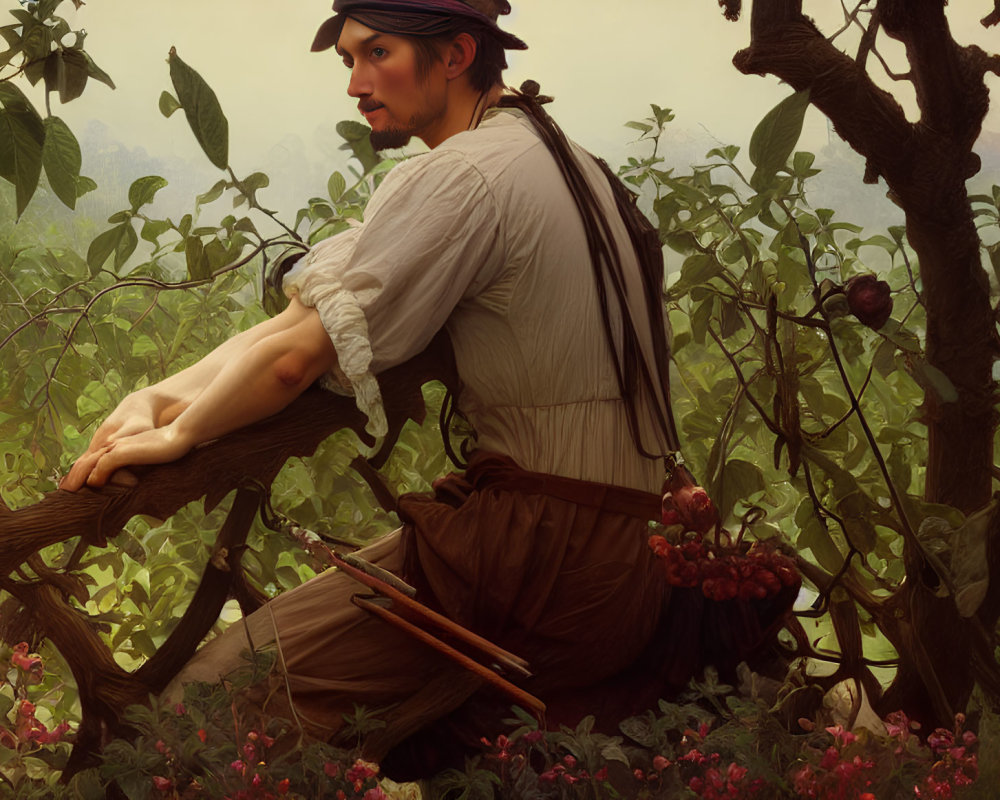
x: 252, y: 376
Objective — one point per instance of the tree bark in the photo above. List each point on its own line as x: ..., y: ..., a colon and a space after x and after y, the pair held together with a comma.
x: 926, y: 165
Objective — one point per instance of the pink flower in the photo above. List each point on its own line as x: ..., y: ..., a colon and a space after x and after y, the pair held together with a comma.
x: 375, y: 794
x: 163, y: 784
x: 7, y: 739
x: 660, y: 763
x: 601, y: 774
x: 332, y: 770
x: 202, y: 735
x: 30, y: 664
x: 43, y: 736
x: 688, y: 504
x: 830, y: 758
x: 362, y: 770
x: 283, y: 785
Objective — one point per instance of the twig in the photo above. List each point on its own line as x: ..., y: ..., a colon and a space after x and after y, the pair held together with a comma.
x: 742, y: 381
x: 252, y: 202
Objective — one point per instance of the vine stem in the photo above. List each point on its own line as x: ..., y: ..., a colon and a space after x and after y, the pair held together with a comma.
x: 252, y: 202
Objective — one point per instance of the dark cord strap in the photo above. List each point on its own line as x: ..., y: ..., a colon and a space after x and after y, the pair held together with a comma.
x: 631, y: 368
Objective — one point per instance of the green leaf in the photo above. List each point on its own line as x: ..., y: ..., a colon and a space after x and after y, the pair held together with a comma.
x: 96, y: 72
x: 103, y: 246
x: 153, y: 229
x: 142, y: 345
x: 775, y: 137
x: 84, y: 185
x: 11, y: 34
x: 22, y: 135
x: 201, y: 106
x: 802, y: 164
x: 740, y: 480
x: 357, y: 140
x: 61, y: 159
x: 143, y: 190
x: 336, y: 186
x: 126, y: 246
x: 644, y: 127
x: 884, y: 359
x: 815, y: 537
x: 251, y: 184
x: 197, y: 262
x: 66, y: 72
x: 168, y: 103
x: 994, y: 252
x: 212, y: 194
x: 700, y: 268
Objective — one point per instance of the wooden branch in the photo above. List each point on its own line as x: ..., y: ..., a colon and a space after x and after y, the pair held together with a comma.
x: 787, y: 44
x: 209, y: 598
x: 247, y: 461
x: 951, y: 95
x: 993, y: 17
x: 252, y: 455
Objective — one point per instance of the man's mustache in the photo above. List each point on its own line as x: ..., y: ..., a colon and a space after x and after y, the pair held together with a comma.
x: 368, y: 105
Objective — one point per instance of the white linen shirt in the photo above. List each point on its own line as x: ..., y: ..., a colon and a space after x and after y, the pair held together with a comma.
x: 481, y: 236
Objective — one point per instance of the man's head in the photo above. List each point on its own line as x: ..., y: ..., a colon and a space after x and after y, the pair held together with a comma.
x: 417, y: 64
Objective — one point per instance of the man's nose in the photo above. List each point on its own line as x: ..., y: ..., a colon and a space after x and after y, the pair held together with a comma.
x: 359, y: 85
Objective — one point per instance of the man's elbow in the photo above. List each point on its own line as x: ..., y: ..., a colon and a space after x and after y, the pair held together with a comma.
x: 306, y: 354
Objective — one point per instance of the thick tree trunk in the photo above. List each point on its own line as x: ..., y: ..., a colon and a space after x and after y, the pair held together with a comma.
x: 925, y: 165
x: 960, y: 342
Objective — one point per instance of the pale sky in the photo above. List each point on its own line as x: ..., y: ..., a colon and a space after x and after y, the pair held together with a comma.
x: 603, y: 62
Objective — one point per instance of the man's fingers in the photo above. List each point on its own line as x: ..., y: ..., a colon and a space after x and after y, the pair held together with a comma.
x: 104, y: 468
x: 79, y: 472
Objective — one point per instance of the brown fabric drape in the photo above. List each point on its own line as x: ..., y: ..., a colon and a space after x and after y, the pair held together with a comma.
x: 571, y: 586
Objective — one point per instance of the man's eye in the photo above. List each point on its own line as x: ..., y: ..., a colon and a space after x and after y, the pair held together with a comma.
x: 378, y: 52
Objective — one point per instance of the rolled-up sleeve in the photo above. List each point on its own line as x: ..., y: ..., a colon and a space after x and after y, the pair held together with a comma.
x: 383, y: 288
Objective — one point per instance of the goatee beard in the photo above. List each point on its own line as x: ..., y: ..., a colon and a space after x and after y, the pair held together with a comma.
x: 390, y: 139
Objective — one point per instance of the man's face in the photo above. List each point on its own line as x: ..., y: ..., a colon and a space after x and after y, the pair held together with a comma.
x: 396, y: 102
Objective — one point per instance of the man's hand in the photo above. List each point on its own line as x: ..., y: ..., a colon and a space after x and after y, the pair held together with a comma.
x: 150, y: 446
x: 133, y: 415
x: 250, y: 377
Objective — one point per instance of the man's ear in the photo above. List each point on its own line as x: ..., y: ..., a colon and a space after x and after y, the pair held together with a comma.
x: 459, y: 55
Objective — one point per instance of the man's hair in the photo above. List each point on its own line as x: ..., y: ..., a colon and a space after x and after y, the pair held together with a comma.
x: 487, y: 68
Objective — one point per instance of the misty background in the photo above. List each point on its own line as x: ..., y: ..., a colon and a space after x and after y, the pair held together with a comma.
x: 603, y: 63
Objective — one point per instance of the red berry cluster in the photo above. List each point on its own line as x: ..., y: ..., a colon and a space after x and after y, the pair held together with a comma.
x: 724, y: 574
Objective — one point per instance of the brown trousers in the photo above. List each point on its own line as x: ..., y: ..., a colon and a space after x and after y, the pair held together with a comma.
x: 555, y: 570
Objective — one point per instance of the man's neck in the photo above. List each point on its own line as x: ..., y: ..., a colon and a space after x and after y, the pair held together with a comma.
x: 464, y: 110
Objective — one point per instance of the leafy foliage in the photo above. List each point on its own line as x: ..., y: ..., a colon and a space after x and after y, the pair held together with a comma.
x: 788, y: 404
x: 42, y: 47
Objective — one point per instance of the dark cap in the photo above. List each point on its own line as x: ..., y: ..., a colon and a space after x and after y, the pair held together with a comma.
x: 485, y: 12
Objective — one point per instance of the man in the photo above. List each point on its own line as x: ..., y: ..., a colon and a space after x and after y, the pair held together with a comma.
x: 549, y: 286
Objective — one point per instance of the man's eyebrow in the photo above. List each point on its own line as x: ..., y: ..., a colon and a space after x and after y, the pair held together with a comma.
x: 364, y: 42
